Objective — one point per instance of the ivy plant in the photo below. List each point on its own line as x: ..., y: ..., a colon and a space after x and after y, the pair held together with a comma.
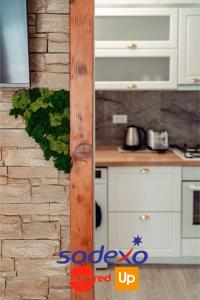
x: 47, y: 119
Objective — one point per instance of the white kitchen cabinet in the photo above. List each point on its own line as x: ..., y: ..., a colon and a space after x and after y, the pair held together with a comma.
x: 141, y: 189
x: 160, y: 232
x: 189, y: 46
x: 135, y: 70
x: 136, y: 28
x: 145, y: 2
x: 145, y: 201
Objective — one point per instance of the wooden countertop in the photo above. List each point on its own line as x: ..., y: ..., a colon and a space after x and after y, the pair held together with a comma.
x: 110, y: 156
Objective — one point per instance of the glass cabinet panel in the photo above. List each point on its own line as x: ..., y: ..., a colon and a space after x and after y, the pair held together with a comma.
x: 138, y: 28
x: 132, y: 69
x: 141, y: 69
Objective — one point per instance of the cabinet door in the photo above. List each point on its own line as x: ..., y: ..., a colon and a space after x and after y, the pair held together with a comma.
x: 124, y: 2
x: 134, y: 28
x: 160, y: 232
x: 144, y: 189
x: 138, y: 70
x: 143, y: 2
x: 189, y: 46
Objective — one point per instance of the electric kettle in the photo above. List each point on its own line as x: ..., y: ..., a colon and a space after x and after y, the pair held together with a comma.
x: 135, y: 138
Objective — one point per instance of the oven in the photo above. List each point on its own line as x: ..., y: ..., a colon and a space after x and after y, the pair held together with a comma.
x: 191, y: 203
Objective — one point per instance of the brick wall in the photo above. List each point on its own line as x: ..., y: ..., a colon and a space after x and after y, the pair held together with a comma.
x: 34, y: 207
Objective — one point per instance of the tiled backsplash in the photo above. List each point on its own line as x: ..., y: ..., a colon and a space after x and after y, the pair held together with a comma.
x: 174, y: 111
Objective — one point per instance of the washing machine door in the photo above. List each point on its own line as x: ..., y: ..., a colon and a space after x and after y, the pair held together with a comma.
x: 98, y: 215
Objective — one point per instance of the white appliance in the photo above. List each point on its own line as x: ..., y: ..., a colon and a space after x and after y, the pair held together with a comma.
x: 157, y: 140
x: 186, y: 152
x: 191, y: 203
x: 101, y: 212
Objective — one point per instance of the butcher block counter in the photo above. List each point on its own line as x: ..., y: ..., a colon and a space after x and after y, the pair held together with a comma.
x: 111, y: 156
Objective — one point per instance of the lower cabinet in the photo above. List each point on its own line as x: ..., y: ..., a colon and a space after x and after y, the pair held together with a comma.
x: 145, y: 201
x: 160, y: 232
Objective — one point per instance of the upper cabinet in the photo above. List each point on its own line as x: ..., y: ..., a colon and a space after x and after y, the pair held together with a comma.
x: 189, y: 46
x: 136, y: 48
x: 136, y: 28
x: 147, y: 48
x: 145, y: 2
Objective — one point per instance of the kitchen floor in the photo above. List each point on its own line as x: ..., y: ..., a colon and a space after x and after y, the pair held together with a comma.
x: 157, y: 282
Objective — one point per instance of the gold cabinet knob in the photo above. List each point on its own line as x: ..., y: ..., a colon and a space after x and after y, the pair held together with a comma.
x: 132, y: 86
x: 196, y: 80
x: 132, y: 46
x: 145, y: 217
x: 144, y: 171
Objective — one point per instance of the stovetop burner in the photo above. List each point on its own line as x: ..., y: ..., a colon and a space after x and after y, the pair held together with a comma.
x: 188, y: 151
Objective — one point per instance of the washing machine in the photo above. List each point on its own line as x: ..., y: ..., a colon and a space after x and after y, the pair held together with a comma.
x: 101, y: 212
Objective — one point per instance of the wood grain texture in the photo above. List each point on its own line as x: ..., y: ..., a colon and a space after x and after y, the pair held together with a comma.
x: 110, y: 156
x: 81, y: 140
x: 157, y: 282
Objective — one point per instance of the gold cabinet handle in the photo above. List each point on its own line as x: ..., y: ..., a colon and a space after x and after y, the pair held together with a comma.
x: 132, y: 46
x: 145, y: 217
x: 132, y: 86
x: 144, y: 171
x: 196, y: 80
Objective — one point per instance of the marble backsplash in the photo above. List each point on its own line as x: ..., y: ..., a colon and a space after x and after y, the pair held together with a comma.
x: 178, y: 112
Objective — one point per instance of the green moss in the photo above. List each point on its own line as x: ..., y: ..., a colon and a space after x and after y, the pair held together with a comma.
x: 47, y: 117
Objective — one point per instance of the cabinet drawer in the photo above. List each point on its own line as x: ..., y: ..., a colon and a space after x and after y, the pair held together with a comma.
x: 144, y: 189
x: 191, y: 173
x: 132, y: 28
x: 160, y: 232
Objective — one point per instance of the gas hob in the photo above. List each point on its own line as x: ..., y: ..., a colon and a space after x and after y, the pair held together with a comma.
x: 186, y: 152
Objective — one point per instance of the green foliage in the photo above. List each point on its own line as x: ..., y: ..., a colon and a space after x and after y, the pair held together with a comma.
x: 47, y: 117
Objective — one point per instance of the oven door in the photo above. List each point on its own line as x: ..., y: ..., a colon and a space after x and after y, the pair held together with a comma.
x: 191, y: 210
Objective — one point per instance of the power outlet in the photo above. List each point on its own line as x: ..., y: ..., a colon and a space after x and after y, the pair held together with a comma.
x: 120, y: 119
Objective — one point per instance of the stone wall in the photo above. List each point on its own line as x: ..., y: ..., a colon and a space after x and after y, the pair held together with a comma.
x: 34, y: 207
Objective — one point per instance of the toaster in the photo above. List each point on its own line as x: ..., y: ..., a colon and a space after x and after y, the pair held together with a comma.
x: 157, y: 140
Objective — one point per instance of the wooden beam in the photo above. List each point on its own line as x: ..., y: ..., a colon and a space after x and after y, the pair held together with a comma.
x: 81, y: 136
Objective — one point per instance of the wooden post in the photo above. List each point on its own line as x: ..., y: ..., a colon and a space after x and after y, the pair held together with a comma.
x: 81, y: 142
